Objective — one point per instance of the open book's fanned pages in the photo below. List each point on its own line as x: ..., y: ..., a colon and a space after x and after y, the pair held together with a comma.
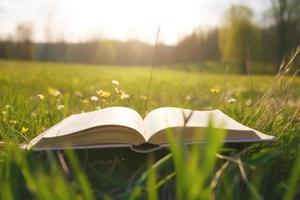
x: 190, y: 126
x: 123, y: 127
x: 109, y: 127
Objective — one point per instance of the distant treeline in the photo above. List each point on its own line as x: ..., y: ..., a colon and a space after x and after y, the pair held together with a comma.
x: 238, y: 41
x: 190, y: 50
x: 195, y: 48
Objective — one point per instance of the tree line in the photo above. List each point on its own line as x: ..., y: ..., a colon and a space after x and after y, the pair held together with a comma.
x: 238, y: 40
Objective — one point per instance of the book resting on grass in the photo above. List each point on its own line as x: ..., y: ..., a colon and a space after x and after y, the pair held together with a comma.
x: 124, y: 127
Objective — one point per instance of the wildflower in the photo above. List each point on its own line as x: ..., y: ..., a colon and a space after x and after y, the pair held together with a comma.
x: 33, y: 114
x: 24, y: 129
x: 103, y: 94
x: 215, y: 90
x: 78, y: 94
x: 75, y: 80
x: 4, y: 112
x: 118, y: 91
x: 60, y: 107
x: 40, y: 97
x: 54, y: 92
x: 106, y: 94
x: 143, y: 97
x: 85, y: 101
x: 231, y: 100
x: 100, y: 92
x: 94, y: 98
x: 115, y: 82
x: 124, y: 96
x: 98, y: 107
x: 248, y: 102
x: 188, y: 98
x: 13, y: 122
x: 7, y: 106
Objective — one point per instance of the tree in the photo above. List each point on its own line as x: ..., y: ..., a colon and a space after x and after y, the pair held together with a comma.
x: 26, y: 48
x: 239, y: 37
x: 106, y: 52
x: 210, y: 45
x: 286, y: 14
x: 188, y: 49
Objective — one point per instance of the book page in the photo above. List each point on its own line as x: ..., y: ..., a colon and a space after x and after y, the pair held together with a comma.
x: 163, y: 118
x: 169, y: 117
x: 113, y: 116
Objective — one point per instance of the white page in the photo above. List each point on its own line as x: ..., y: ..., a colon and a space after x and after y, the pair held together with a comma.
x: 168, y: 117
x: 115, y: 116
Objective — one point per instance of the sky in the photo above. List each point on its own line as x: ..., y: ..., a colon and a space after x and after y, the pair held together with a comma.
x: 81, y: 20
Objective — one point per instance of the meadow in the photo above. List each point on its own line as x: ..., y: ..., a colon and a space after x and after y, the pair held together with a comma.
x: 36, y: 95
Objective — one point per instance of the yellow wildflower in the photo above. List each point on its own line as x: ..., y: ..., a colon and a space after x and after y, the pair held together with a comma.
x: 214, y: 90
x: 24, y: 129
x: 143, y: 97
x: 86, y: 101
x: 75, y: 80
x: 54, y: 92
x: 103, y: 94
x: 7, y: 106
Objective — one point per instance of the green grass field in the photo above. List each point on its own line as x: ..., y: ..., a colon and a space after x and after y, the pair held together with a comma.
x: 34, y: 96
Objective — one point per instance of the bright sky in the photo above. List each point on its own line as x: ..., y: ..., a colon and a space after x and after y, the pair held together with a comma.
x: 79, y: 20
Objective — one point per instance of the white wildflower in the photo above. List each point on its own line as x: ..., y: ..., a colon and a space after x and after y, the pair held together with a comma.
x: 60, y: 107
x: 231, y: 100
x: 124, y: 96
x: 188, y: 98
x: 94, y: 98
x: 40, y: 97
x: 115, y: 82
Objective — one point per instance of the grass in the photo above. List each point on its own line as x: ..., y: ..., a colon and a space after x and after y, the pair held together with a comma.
x: 34, y: 96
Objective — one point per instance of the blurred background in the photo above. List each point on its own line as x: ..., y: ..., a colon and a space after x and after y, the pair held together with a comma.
x: 248, y: 36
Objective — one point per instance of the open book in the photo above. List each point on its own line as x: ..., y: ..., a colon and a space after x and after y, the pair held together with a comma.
x: 122, y: 126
